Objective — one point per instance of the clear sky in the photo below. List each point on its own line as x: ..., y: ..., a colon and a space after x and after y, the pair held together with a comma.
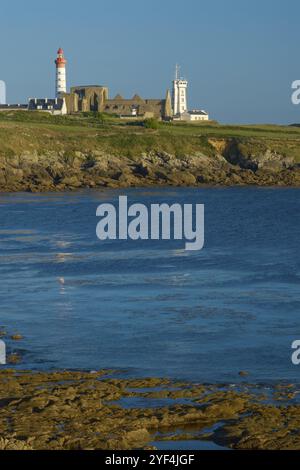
x: 240, y: 56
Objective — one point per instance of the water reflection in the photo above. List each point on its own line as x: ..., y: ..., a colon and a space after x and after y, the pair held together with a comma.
x: 151, y: 308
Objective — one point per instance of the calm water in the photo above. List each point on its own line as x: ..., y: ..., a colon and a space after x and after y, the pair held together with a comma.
x: 150, y: 308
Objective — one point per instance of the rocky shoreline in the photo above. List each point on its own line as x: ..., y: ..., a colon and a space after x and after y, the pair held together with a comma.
x: 102, y: 410
x: 99, y: 410
x: 230, y: 165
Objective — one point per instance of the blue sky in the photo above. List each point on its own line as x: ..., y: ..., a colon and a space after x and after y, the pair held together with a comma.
x: 240, y: 56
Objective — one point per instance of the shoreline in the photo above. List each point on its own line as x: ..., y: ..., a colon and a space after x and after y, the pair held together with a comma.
x: 57, y: 173
x: 41, y: 153
x: 73, y: 190
x: 98, y: 410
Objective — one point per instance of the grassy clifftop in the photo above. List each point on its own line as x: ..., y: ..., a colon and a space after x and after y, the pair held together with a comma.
x: 22, y: 131
x: 40, y: 152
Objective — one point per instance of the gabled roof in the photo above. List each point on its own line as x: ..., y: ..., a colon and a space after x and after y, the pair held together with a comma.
x: 137, y: 98
x: 199, y: 112
x: 13, y: 106
x: 44, y: 103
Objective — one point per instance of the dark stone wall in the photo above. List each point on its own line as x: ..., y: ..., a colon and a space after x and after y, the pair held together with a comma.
x: 95, y: 98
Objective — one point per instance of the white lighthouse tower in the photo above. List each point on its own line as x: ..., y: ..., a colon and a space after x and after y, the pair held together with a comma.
x: 2, y: 92
x: 61, y: 79
x: 179, y: 94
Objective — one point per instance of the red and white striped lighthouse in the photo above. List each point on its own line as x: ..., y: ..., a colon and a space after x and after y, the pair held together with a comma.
x: 61, y: 79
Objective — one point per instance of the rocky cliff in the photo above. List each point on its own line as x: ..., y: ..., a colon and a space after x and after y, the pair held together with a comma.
x: 231, y: 164
x: 44, y: 153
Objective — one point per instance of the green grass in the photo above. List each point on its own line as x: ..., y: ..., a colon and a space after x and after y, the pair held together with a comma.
x: 28, y: 131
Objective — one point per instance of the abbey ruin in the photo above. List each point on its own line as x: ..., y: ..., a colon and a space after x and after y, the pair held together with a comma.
x: 96, y: 99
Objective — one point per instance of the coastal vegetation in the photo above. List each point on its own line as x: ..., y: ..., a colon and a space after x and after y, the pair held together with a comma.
x: 148, y: 152
x: 44, y: 131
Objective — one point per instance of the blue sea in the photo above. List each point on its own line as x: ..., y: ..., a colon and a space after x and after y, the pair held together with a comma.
x: 150, y: 308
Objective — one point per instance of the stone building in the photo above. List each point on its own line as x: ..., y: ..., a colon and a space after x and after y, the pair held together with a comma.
x: 96, y: 98
x: 87, y: 98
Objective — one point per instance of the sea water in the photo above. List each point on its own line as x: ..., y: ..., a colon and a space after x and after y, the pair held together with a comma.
x: 150, y: 308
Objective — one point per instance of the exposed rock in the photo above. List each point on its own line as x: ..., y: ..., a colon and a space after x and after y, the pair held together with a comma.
x: 14, y: 358
x: 243, y: 373
x: 234, y: 163
x: 16, y: 337
x: 251, y: 156
x: 81, y: 411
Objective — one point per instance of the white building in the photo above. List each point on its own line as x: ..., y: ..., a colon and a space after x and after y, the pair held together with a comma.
x: 195, y: 115
x: 2, y: 92
x: 55, y: 106
x: 179, y: 102
x: 179, y: 95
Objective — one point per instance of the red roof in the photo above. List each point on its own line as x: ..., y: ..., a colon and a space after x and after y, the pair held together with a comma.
x: 60, y: 51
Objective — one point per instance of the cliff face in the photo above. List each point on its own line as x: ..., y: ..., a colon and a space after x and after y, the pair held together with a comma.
x: 230, y: 163
x: 40, y: 152
x: 251, y: 156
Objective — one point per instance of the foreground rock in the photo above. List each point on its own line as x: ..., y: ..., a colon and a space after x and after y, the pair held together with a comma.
x: 77, y: 410
x: 229, y: 164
